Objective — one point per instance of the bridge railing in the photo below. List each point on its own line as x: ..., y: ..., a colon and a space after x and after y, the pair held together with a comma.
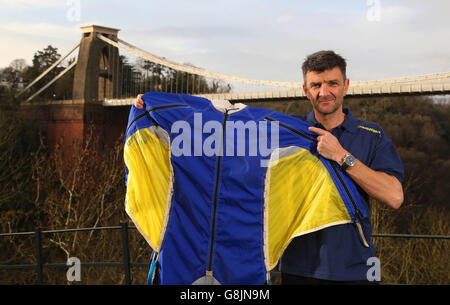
x: 125, y: 263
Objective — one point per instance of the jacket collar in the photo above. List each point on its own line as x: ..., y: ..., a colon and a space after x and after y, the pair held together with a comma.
x: 226, y: 106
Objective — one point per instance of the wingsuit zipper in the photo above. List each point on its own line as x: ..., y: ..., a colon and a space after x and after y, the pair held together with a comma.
x: 153, y: 109
x: 216, y: 194
x: 293, y: 130
x: 358, y: 214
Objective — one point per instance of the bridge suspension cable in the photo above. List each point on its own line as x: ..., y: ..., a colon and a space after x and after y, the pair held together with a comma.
x: 190, y: 69
x: 60, y: 74
x: 56, y: 63
x: 437, y: 77
x: 410, y: 80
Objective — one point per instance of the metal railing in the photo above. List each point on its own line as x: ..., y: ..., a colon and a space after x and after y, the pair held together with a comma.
x: 126, y: 264
x: 39, y: 266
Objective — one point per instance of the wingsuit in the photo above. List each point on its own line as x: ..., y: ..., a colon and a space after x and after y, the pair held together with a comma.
x: 218, y: 190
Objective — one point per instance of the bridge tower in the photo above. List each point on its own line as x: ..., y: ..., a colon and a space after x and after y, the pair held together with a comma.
x: 97, y: 73
x: 97, y: 77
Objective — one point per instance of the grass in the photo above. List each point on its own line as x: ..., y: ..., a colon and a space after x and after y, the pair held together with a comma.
x: 412, y: 261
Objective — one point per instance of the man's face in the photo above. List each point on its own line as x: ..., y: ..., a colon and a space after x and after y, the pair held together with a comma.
x: 326, y: 90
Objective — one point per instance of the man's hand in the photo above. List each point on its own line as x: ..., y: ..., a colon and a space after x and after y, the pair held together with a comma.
x: 328, y: 145
x: 378, y: 185
x: 139, y: 103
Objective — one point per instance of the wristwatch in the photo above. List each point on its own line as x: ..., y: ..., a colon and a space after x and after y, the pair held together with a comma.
x: 349, y: 160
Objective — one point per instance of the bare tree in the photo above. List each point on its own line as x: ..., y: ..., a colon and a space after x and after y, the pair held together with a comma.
x: 18, y: 65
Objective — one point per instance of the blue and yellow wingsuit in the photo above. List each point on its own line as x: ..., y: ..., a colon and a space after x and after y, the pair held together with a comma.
x: 212, y: 209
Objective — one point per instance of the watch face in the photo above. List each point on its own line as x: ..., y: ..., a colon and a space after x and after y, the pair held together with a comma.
x: 350, y: 160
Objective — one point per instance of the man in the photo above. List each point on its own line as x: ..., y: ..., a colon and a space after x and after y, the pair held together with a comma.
x: 336, y: 254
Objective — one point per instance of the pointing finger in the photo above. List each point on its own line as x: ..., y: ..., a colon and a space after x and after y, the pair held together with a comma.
x: 319, y: 131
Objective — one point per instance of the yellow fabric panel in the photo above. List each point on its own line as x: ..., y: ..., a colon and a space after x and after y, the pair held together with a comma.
x: 149, y: 184
x: 300, y: 198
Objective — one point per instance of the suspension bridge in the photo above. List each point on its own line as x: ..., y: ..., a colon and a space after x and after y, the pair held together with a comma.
x: 109, y: 72
x: 99, y: 56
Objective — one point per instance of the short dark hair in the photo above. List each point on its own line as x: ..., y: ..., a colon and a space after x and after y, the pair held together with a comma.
x: 323, y: 60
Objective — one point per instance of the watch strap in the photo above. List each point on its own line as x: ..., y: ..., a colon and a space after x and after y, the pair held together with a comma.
x: 344, y: 166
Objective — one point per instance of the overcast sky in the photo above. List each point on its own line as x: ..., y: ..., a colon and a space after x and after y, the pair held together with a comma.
x: 259, y: 39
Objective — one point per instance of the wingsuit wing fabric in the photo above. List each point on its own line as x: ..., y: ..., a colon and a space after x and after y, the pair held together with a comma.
x: 216, y: 196
x: 148, y: 160
x: 321, y: 205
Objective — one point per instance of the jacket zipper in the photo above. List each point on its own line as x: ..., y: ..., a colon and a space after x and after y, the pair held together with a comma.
x: 358, y: 213
x: 293, y: 130
x: 150, y: 110
x: 355, y: 207
x: 216, y: 194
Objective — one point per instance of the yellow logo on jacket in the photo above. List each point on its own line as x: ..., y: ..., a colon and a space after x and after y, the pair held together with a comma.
x: 370, y: 129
